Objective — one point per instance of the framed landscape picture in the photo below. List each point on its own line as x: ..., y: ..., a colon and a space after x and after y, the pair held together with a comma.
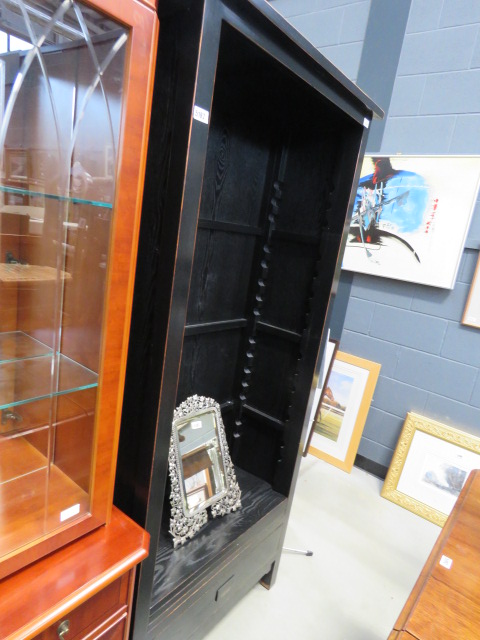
x: 342, y: 410
x: 411, y: 217
x: 430, y: 465
x: 323, y: 374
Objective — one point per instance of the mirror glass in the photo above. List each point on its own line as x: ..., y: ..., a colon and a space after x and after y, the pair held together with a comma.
x: 203, y: 473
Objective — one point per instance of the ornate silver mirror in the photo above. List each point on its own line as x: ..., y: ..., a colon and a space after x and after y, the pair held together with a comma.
x: 201, y: 471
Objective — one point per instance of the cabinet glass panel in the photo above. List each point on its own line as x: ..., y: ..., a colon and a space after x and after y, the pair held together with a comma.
x: 61, y: 78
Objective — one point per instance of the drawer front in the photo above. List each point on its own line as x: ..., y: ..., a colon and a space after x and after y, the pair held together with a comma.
x: 220, y: 591
x: 114, y: 631
x: 109, y: 604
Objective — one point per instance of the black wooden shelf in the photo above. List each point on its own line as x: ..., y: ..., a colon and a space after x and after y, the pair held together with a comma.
x: 212, y: 327
x: 177, y: 569
x: 286, y: 334
x: 229, y: 227
x: 263, y: 417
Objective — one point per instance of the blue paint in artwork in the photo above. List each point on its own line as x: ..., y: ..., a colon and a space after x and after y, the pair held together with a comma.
x: 394, y: 197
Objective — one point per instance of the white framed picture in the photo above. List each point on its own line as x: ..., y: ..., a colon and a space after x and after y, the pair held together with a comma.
x: 411, y: 217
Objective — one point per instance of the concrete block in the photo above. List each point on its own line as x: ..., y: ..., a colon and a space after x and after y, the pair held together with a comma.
x: 438, y: 51
x: 398, y: 398
x: 433, y: 373
x: 456, y: 12
x: 475, y: 399
x: 407, y: 328
x: 462, y: 344
x: 375, y: 452
x: 475, y: 62
x: 467, y: 267
x: 363, y: 346
x: 359, y: 315
x: 418, y: 135
x: 474, y: 231
x: 321, y: 28
x: 345, y: 57
x: 395, y: 293
x: 455, y: 92
x: 407, y: 95
x: 453, y: 414
x: 354, y: 22
x: 441, y: 303
x: 383, y: 427
x: 423, y: 13
x: 299, y: 7
x: 465, y: 135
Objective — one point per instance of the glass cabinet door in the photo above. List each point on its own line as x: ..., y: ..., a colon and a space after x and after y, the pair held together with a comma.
x: 61, y: 82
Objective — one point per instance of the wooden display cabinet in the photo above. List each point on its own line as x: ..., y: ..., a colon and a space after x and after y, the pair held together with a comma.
x: 255, y: 148
x: 445, y: 601
x: 75, y: 114
x: 83, y: 590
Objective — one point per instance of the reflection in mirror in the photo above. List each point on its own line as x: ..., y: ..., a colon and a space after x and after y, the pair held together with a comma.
x: 201, y: 471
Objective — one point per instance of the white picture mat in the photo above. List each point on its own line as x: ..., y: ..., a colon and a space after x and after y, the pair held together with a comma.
x: 453, y: 182
x: 428, y: 453
x: 339, y: 448
x: 324, y: 367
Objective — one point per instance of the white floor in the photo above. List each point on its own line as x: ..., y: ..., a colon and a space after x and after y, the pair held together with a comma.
x: 367, y: 554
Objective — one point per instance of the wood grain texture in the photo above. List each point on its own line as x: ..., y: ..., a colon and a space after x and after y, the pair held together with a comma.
x: 241, y: 230
x: 138, y: 88
x: 177, y: 569
x: 31, y: 600
x: 445, y: 602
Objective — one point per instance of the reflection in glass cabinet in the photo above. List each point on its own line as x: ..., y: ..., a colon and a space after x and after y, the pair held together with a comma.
x: 61, y: 79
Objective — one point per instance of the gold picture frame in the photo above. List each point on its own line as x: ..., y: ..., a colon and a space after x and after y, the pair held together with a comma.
x: 471, y: 314
x: 351, y: 383
x: 429, y: 467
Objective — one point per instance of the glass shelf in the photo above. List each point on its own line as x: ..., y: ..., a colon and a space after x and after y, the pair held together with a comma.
x: 16, y: 345
x: 31, y: 378
x: 51, y: 196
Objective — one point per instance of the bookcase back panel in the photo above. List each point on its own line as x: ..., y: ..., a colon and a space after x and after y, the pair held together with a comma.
x: 260, y: 448
x: 271, y: 197
x: 220, y: 277
x: 235, y: 168
x: 288, y: 284
x: 208, y: 365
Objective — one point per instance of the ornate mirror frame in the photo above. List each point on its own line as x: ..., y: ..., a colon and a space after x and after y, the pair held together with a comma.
x: 183, y: 524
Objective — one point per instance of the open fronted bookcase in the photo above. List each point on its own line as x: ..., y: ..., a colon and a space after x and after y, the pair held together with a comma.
x: 253, y: 160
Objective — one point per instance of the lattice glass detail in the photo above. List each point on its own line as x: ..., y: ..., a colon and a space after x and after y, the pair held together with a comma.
x: 62, y: 69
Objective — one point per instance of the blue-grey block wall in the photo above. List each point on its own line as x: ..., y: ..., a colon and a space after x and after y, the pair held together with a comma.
x: 335, y: 27
x: 430, y: 361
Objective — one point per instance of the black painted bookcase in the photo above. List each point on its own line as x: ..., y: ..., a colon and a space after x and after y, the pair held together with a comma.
x: 255, y: 147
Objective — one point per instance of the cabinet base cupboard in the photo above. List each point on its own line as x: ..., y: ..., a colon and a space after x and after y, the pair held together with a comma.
x: 252, y: 167
x: 83, y: 590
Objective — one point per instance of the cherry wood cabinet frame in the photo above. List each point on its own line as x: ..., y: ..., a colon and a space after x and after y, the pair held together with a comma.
x: 141, y: 21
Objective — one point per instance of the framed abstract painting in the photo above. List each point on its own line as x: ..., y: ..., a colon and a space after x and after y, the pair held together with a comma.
x: 411, y: 217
